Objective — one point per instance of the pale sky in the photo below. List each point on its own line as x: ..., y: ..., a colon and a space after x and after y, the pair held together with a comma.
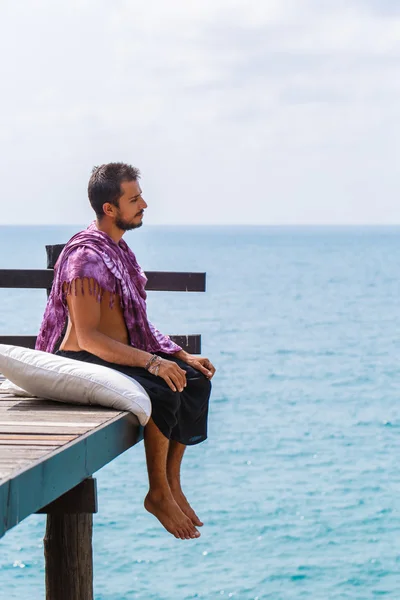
x: 236, y: 111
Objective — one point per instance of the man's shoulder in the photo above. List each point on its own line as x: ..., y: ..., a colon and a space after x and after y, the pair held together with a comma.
x: 83, y: 251
x: 82, y: 261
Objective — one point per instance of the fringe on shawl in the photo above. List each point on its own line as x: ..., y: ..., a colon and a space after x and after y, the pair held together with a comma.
x: 70, y: 288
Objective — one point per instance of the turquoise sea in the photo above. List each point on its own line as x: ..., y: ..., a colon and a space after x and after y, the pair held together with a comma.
x: 299, y: 481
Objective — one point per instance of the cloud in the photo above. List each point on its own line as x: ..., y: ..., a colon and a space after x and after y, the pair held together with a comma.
x: 235, y: 112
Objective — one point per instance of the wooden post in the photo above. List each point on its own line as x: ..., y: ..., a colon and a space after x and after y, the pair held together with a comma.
x: 68, y: 543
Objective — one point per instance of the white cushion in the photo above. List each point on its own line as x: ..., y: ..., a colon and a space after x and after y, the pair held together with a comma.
x: 10, y: 387
x: 67, y: 380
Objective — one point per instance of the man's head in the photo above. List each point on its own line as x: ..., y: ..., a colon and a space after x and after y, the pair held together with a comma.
x: 114, y: 193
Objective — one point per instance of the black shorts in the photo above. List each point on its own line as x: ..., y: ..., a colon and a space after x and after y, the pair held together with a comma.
x: 180, y: 416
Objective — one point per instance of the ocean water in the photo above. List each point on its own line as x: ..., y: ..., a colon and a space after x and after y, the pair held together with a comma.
x: 298, y: 483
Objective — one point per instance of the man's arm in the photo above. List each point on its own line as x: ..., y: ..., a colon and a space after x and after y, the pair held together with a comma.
x: 85, y: 312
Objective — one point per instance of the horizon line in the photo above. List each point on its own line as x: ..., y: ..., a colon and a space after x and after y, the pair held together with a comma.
x: 258, y: 225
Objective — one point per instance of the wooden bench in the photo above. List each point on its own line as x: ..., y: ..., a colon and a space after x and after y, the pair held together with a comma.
x: 49, y: 451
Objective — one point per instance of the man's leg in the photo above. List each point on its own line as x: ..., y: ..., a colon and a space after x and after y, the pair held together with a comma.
x: 159, y: 500
x: 174, y: 460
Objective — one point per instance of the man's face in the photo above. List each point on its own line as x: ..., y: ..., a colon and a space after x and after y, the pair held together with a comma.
x: 129, y: 215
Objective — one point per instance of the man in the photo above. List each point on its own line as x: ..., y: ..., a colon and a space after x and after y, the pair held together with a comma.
x: 98, y: 291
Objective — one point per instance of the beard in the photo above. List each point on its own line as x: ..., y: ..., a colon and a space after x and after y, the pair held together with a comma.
x: 124, y: 225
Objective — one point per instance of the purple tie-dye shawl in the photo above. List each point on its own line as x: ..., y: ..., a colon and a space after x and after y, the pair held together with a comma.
x: 108, y: 266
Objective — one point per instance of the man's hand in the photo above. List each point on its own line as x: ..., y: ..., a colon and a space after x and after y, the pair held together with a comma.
x: 172, y: 374
x: 200, y: 363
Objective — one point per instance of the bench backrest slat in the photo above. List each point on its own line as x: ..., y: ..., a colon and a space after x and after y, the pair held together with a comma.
x: 161, y: 281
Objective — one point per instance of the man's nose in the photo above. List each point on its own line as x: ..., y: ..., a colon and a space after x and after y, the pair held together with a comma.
x: 144, y: 203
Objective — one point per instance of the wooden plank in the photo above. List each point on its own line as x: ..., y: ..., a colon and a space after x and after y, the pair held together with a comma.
x: 48, y: 417
x: 39, y: 429
x: 9, y: 400
x: 48, y: 404
x: 27, y: 341
x: 6, y: 398
x: 4, y: 474
x: 26, y: 278
x: 13, y: 449
x: 53, y: 251
x: 31, y: 452
x: 190, y: 343
x: 161, y: 281
x: 59, y: 471
x: 21, y: 437
x: 54, y: 407
x: 29, y: 443
x: 30, y: 455
x: 24, y: 453
x: 15, y: 465
x: 18, y: 407
x: 56, y: 414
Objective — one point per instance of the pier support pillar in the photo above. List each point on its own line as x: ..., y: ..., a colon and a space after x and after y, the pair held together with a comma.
x: 68, y: 543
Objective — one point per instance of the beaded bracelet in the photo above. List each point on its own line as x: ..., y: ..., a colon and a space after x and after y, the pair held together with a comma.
x: 155, y: 367
x: 150, y: 361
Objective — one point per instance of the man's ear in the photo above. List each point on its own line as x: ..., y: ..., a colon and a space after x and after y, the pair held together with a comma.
x: 108, y: 209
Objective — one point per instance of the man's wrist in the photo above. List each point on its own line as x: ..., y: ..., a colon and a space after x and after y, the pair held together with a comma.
x: 144, y: 359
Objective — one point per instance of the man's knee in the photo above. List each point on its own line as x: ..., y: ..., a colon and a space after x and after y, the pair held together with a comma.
x: 201, y: 385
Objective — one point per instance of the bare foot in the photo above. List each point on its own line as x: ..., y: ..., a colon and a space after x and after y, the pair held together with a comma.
x: 167, y: 511
x: 184, y: 505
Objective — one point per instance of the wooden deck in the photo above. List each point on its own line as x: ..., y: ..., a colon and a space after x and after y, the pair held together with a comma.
x: 41, y: 439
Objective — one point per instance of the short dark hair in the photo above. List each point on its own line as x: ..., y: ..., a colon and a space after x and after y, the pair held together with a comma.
x: 105, y: 184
